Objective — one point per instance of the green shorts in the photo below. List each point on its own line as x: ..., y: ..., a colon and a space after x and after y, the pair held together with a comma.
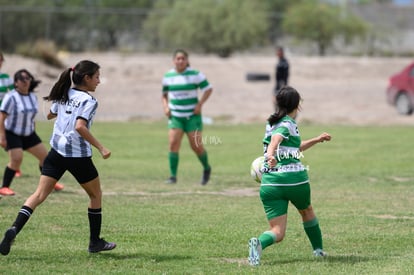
x: 275, y: 199
x: 187, y: 124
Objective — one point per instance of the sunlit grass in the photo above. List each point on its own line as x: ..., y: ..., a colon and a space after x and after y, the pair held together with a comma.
x: 362, y: 190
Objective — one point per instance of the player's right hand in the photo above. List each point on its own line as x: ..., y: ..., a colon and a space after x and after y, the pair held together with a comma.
x: 106, y: 153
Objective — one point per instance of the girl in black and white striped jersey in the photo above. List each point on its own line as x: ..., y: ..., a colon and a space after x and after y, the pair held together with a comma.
x: 17, y: 127
x: 74, y: 109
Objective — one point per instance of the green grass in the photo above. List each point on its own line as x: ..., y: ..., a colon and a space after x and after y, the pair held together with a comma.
x: 362, y: 188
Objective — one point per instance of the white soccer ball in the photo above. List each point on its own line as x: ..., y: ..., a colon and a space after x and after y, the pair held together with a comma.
x: 256, y: 168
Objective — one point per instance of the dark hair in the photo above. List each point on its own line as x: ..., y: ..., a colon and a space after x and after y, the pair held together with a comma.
x: 287, y: 100
x: 33, y: 82
x: 177, y: 51
x: 60, y: 89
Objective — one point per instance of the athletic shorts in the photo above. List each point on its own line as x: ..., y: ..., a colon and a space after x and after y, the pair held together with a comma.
x: 187, y: 124
x: 275, y: 199
x: 56, y: 165
x: 24, y: 142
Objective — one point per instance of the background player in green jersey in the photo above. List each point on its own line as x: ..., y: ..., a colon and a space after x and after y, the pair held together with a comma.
x: 6, y: 84
x: 182, y: 106
x: 286, y: 179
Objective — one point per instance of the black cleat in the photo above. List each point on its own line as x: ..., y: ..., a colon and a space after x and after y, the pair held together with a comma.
x: 101, y: 245
x: 206, y: 176
x: 171, y: 180
x: 7, y: 241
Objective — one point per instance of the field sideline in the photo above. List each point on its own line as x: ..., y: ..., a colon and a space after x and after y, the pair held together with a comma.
x: 362, y: 184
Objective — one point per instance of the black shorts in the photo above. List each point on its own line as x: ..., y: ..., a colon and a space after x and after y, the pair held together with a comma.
x: 56, y: 165
x: 24, y: 142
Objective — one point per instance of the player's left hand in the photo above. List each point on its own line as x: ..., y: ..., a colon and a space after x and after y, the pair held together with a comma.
x: 197, y: 109
x: 324, y: 137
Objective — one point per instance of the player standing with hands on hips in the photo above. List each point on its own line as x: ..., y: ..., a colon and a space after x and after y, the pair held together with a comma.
x: 286, y: 179
x: 181, y: 105
x: 74, y: 110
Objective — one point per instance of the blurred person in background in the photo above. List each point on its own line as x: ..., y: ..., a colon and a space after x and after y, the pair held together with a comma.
x: 281, y: 72
x: 182, y: 106
x: 17, y: 128
x: 6, y: 84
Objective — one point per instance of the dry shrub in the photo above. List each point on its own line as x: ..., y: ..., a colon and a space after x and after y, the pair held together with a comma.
x: 43, y: 50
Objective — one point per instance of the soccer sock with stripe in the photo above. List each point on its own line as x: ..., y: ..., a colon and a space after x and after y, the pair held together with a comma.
x: 173, y: 158
x: 267, y: 239
x: 204, y: 160
x: 95, y: 221
x: 314, y: 233
x: 8, y: 176
x: 23, y: 216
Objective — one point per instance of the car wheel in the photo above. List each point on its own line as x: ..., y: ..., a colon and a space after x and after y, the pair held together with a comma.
x: 403, y: 104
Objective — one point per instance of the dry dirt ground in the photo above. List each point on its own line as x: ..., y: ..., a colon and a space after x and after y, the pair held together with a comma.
x: 336, y: 90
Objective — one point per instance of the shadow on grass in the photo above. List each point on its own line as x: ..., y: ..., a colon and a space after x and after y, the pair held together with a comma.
x: 347, y: 259
x: 44, y: 257
x: 141, y: 256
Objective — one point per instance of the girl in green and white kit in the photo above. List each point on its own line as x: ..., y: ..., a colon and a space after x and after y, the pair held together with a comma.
x: 182, y: 106
x: 285, y: 178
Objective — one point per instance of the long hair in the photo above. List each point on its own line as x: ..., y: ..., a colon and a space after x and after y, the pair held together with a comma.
x: 287, y: 100
x: 33, y: 82
x: 59, y: 91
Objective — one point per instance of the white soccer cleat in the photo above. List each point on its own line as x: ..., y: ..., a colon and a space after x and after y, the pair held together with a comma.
x: 255, y: 251
x: 319, y: 253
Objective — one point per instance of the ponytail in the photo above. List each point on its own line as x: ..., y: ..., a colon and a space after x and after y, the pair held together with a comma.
x: 60, y: 90
x: 274, y: 118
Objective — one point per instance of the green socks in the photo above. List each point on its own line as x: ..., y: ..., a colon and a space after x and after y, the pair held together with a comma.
x: 314, y: 233
x: 312, y: 230
x: 267, y: 239
x: 204, y: 160
x: 173, y: 159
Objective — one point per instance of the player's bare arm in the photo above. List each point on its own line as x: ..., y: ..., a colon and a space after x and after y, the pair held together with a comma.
x: 306, y: 144
x: 271, y: 149
x: 51, y: 115
x: 3, y: 141
x: 203, y: 99
x: 166, y: 109
x: 87, y: 135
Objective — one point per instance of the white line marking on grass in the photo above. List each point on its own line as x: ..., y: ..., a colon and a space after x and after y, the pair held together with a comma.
x: 392, y: 217
x: 247, y: 192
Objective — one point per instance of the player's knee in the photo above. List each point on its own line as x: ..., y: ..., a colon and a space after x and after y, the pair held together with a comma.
x: 307, y: 214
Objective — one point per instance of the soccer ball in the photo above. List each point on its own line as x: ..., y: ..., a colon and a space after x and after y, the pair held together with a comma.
x: 256, y: 168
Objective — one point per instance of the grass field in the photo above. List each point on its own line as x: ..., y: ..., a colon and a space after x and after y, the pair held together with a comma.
x: 362, y: 188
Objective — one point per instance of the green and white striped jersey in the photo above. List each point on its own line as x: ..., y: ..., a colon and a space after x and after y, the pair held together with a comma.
x: 182, y: 89
x: 6, y: 84
x: 289, y: 169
